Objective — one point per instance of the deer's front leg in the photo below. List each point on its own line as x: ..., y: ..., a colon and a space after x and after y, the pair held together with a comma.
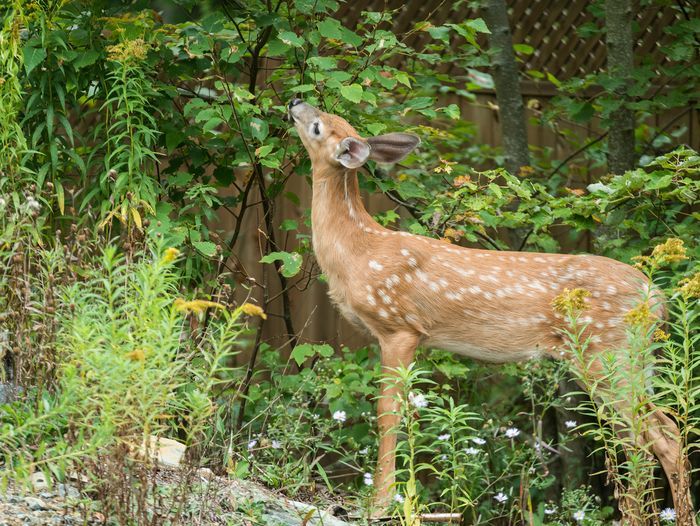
x: 398, y: 350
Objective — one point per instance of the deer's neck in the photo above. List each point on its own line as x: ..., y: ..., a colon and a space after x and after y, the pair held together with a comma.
x: 340, y: 223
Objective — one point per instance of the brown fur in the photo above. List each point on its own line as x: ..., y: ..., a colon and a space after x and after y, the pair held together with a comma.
x: 410, y: 290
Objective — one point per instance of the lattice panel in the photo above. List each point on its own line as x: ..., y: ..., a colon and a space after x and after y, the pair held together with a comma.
x: 549, y: 26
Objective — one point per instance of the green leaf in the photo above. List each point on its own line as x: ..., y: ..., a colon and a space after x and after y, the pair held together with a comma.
x: 259, y: 128
x: 331, y: 28
x: 291, y: 39
x: 524, y: 49
x: 403, y: 78
x: 353, y: 92
x: 87, y: 58
x: 205, y: 247
x: 478, y: 25
x: 291, y: 262
x: 264, y: 150
x: 301, y: 353
x: 60, y: 197
x: 33, y: 56
x: 307, y: 350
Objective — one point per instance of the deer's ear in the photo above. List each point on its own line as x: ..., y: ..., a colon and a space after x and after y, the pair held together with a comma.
x: 352, y: 153
x: 392, y: 147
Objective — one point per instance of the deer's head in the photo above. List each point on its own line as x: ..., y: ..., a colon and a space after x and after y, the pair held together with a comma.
x: 330, y: 140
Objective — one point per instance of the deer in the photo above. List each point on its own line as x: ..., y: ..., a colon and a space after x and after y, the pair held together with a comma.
x: 494, y: 306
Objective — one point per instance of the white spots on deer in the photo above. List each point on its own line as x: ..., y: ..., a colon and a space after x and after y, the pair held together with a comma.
x: 453, y: 296
x: 599, y: 325
x: 488, y: 296
x: 422, y: 276
x: 405, y: 252
x: 434, y: 286
x: 606, y: 306
x: 383, y: 313
x: 386, y: 299
x: 391, y: 281
x: 537, y: 285
x: 371, y: 300
x: 612, y: 289
x: 539, y: 259
x: 408, y: 278
x: 375, y: 265
x: 412, y: 262
x: 586, y: 319
x: 493, y: 278
x: 476, y: 289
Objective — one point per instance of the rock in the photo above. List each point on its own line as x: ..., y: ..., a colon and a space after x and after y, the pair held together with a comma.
x: 205, y: 474
x: 278, y: 510
x: 66, y: 490
x: 166, y: 451
x: 39, y: 481
x: 8, y: 392
x: 35, y: 504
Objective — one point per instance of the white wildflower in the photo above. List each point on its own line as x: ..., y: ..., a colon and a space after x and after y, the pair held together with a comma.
x: 399, y: 498
x: 276, y: 444
x: 444, y: 437
x: 32, y: 204
x: 252, y: 444
x: 479, y: 441
x: 512, y: 432
x: 668, y: 515
x: 579, y: 516
x: 340, y: 416
x: 500, y: 497
x: 363, y: 451
x: 549, y: 511
x: 2, y: 202
x: 570, y: 424
x: 368, y: 479
x: 417, y: 400
x: 472, y: 451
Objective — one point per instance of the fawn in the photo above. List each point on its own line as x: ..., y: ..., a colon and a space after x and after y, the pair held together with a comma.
x: 410, y: 290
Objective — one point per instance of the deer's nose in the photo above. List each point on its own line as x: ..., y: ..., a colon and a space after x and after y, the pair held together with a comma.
x: 294, y: 102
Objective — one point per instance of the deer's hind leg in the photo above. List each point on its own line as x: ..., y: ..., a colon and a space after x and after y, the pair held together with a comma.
x: 665, y: 438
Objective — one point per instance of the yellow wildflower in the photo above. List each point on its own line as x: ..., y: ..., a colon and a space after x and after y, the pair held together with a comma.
x: 445, y: 167
x: 170, y: 255
x: 640, y: 316
x: 690, y: 287
x: 669, y: 252
x: 642, y: 262
x: 660, y: 336
x: 461, y: 180
x: 253, y: 310
x: 137, y: 355
x: 570, y: 302
x: 128, y: 50
x: 196, y: 306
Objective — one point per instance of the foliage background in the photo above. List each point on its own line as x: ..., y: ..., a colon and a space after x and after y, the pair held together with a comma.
x: 142, y: 126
